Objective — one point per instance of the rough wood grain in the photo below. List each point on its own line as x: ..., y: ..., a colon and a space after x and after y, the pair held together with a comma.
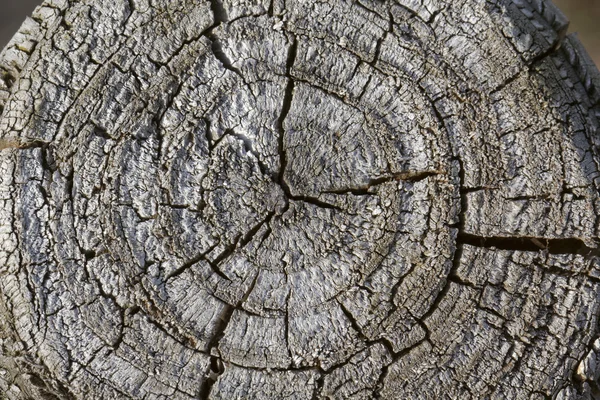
x: 292, y: 199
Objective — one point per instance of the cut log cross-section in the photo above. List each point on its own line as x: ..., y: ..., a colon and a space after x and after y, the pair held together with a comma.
x: 298, y: 199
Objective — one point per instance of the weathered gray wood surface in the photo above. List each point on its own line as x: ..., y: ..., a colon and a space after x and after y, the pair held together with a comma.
x: 298, y: 199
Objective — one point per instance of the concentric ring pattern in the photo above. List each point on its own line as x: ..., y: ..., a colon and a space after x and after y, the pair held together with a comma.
x: 298, y: 199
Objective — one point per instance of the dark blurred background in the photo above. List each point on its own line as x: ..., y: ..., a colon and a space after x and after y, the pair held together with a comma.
x: 12, y: 14
x: 585, y: 20
x: 584, y: 16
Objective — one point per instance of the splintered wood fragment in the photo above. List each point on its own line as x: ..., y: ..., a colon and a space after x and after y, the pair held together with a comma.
x: 539, y: 243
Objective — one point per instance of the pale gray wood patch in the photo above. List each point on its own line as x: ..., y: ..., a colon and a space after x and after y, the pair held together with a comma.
x: 252, y: 199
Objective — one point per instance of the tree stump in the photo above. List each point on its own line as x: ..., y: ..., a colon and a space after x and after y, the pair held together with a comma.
x: 298, y: 199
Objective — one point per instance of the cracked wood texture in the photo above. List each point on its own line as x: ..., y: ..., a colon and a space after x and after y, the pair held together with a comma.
x: 298, y: 199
